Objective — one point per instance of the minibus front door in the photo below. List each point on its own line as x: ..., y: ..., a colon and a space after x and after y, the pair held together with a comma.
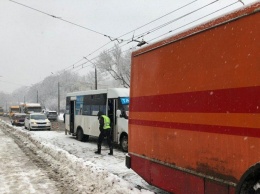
x: 72, y: 114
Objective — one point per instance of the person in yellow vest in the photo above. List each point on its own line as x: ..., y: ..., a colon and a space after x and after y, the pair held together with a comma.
x: 105, y: 131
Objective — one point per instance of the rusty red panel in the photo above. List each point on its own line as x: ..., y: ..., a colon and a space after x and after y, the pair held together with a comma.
x: 213, y: 187
x: 175, y: 181
x: 232, y: 190
x: 142, y: 167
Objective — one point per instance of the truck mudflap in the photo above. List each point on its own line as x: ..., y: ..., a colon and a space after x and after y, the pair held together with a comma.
x: 128, y: 161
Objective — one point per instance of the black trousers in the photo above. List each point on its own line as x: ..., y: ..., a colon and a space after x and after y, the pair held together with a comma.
x: 102, y: 135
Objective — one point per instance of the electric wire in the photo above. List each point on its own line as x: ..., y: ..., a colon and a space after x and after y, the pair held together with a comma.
x: 127, y: 32
x: 59, y: 18
x: 158, y: 18
x: 167, y: 23
x: 80, y: 68
x: 194, y: 20
x: 112, y: 49
x: 142, y: 26
x: 152, y: 30
x: 73, y: 64
x: 111, y: 39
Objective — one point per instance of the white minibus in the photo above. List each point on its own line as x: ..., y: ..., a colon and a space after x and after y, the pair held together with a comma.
x: 81, y: 113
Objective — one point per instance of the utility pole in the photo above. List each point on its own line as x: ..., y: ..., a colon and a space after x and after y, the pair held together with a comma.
x: 95, y: 72
x: 58, y: 98
x: 37, y: 96
x: 95, y: 77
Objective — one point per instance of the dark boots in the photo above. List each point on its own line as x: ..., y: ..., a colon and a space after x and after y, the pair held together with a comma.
x: 111, y: 151
x: 99, y: 150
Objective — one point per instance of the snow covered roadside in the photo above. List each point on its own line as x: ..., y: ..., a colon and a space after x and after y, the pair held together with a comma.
x: 84, y: 176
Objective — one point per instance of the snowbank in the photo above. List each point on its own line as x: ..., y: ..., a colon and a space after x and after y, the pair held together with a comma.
x: 84, y: 176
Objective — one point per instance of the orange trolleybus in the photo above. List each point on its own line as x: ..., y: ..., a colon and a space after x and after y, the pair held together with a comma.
x: 194, y: 120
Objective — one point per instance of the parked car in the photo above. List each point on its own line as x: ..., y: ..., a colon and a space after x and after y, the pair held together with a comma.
x: 18, y: 119
x: 36, y: 121
x: 51, y: 115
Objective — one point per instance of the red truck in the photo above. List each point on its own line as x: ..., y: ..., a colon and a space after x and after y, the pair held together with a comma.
x: 194, y: 120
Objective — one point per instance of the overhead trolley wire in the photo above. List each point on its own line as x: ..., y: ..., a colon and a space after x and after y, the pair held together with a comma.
x: 59, y: 18
x: 112, y: 49
x: 165, y: 24
x: 79, y: 68
x: 158, y: 18
x: 169, y: 22
x: 73, y: 64
x: 71, y: 67
x: 195, y: 20
x: 111, y: 39
x: 147, y: 32
x: 142, y: 26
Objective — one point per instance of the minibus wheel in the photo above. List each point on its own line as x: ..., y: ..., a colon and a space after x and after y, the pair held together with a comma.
x: 124, y: 143
x: 80, y: 134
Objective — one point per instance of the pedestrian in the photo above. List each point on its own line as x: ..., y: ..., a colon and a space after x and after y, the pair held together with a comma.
x: 105, y: 131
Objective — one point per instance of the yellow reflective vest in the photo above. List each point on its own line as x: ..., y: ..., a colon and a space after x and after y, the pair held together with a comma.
x: 106, y: 122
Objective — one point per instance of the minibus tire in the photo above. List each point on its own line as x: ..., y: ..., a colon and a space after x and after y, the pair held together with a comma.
x: 80, y: 135
x: 123, y: 141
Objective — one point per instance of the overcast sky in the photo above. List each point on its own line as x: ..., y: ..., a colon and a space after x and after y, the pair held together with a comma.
x: 33, y: 44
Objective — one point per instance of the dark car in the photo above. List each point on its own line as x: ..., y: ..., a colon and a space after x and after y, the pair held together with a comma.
x: 18, y: 119
x: 51, y: 115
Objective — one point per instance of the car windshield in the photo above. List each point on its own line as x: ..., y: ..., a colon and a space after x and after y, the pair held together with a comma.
x: 34, y: 109
x: 20, y: 116
x: 52, y: 113
x: 38, y: 117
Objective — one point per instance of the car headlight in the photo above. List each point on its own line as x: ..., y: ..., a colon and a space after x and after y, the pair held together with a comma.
x: 34, y: 123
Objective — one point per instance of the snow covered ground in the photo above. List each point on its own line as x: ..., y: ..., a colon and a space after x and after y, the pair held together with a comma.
x: 18, y: 174
x: 86, y: 171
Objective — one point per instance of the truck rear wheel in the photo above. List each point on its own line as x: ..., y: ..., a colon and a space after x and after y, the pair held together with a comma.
x: 250, y: 181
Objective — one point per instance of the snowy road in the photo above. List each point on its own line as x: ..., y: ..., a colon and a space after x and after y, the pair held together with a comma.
x: 22, y: 172
x: 77, y: 154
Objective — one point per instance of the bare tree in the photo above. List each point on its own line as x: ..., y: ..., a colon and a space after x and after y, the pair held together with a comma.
x: 117, y: 64
x: 113, y: 71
